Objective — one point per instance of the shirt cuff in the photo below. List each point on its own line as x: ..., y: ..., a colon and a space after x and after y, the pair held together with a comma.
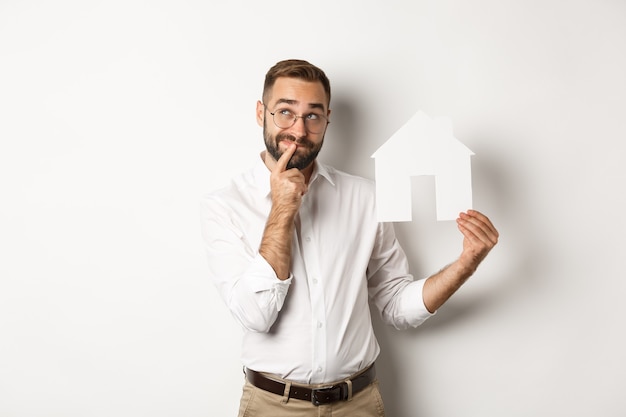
x: 261, y: 278
x: 412, y: 304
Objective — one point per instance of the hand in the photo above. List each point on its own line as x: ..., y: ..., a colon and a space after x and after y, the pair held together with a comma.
x: 288, y: 186
x: 480, y: 236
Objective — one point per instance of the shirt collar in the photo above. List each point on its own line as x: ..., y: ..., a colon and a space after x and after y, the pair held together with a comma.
x: 262, y: 176
x: 323, y: 171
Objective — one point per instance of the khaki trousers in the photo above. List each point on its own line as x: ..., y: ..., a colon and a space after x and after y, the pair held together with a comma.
x: 256, y: 402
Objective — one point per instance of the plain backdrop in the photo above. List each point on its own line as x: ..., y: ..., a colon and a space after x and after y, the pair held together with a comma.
x: 117, y: 116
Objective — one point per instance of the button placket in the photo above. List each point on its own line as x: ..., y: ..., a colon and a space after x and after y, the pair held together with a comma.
x: 316, y: 293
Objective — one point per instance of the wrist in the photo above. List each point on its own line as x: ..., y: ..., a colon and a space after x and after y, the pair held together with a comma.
x: 466, y: 266
x: 283, y: 214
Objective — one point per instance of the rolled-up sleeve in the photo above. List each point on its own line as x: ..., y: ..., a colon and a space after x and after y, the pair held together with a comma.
x: 246, y: 282
x: 394, y: 291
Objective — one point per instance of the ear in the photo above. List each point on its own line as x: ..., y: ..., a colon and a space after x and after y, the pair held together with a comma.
x: 260, y: 113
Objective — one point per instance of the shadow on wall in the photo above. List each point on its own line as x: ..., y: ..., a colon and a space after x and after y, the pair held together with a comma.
x: 514, y: 267
x: 344, y: 148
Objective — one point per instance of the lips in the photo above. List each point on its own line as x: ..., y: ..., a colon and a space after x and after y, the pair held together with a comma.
x: 302, y: 143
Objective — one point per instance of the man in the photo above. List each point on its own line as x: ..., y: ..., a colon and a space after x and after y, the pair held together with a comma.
x: 296, y: 252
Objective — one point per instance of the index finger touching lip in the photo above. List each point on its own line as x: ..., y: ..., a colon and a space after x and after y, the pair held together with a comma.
x: 281, y: 164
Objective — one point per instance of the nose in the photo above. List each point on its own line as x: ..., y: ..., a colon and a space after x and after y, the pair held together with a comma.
x: 299, y: 128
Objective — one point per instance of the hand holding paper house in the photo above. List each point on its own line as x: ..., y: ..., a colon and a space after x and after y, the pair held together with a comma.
x: 423, y: 146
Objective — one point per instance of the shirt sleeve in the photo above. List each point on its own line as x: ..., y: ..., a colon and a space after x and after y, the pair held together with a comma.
x: 245, y: 280
x: 394, y: 291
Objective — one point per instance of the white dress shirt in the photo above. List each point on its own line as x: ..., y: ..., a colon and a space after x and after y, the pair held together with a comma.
x: 314, y: 327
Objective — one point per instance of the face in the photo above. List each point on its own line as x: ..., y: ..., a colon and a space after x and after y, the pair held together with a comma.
x: 300, y: 98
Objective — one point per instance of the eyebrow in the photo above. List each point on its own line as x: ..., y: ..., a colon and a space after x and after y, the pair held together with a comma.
x: 293, y: 102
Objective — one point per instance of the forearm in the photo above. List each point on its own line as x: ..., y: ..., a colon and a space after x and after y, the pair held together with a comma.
x: 439, y: 287
x: 276, y: 241
x: 288, y: 186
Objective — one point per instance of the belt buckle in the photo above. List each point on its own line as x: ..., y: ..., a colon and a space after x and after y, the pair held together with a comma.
x: 316, y: 400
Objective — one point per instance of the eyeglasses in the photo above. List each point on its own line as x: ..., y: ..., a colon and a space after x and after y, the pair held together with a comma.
x: 285, y: 118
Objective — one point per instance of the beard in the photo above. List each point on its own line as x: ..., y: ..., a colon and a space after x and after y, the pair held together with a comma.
x: 305, y: 154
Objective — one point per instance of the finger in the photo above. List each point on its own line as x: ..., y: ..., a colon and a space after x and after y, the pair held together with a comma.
x: 481, y: 221
x: 281, y: 164
x: 474, y: 234
x: 478, y: 215
x: 296, y: 177
x: 478, y: 231
x: 478, y: 227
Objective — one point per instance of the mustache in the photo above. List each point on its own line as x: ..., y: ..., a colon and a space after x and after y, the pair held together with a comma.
x: 302, y: 141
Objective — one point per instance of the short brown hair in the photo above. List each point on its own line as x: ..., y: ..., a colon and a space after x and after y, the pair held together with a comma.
x: 295, y: 68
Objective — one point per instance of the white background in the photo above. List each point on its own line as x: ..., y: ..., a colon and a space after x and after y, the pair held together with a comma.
x: 116, y: 116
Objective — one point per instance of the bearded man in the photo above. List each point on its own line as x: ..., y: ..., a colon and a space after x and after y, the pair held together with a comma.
x: 296, y: 252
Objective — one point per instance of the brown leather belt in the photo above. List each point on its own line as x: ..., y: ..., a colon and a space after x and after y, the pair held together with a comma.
x: 318, y: 396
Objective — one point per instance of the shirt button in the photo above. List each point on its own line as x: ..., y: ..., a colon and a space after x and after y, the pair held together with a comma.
x: 314, y: 280
x: 319, y: 369
x: 319, y: 324
x: 308, y: 238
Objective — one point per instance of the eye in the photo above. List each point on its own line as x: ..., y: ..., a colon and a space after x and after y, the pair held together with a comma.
x: 285, y: 112
x: 313, y: 116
